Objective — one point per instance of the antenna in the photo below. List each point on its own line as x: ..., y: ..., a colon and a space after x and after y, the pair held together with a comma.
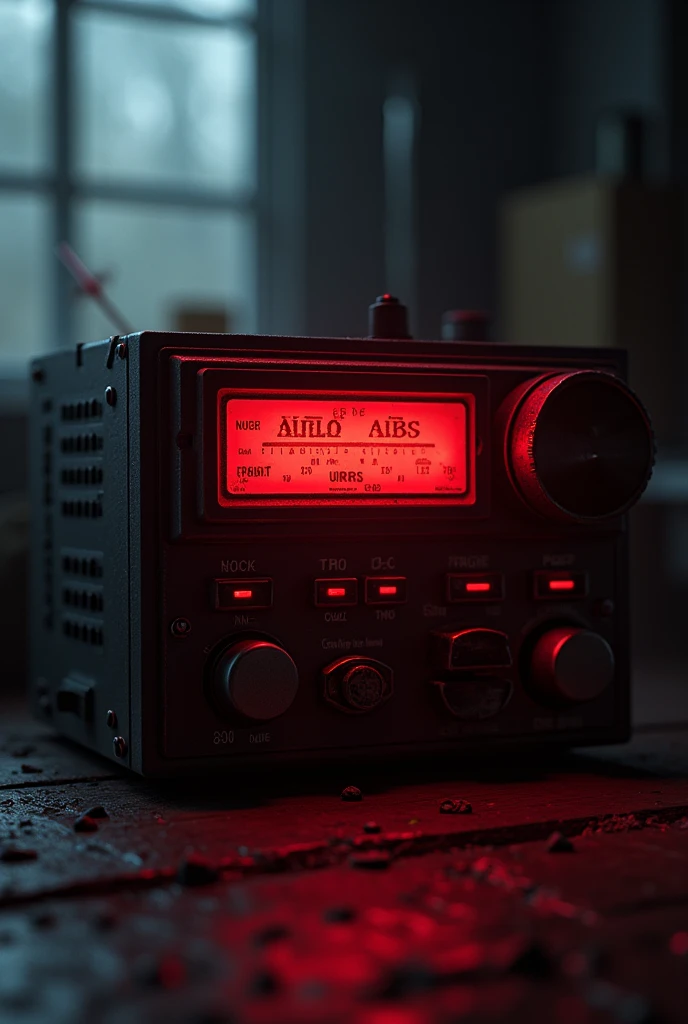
x: 90, y: 285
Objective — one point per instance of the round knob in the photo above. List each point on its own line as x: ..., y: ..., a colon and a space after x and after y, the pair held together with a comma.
x: 363, y: 687
x: 255, y: 678
x: 387, y: 318
x: 571, y: 665
x: 580, y: 446
x: 357, y: 685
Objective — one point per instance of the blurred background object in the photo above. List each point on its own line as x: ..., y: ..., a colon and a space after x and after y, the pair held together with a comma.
x: 272, y: 164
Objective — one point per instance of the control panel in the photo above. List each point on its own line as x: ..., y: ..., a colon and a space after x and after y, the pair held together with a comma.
x: 257, y: 549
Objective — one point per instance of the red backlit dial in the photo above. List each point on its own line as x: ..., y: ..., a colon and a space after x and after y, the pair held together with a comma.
x: 579, y: 446
x: 343, y: 448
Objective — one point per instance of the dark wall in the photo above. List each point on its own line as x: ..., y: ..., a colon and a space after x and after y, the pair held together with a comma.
x: 607, y: 54
x: 478, y: 70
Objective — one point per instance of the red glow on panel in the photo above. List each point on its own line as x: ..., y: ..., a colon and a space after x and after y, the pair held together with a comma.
x: 562, y: 585
x: 336, y: 591
x: 348, y: 448
x: 243, y: 595
x: 387, y: 591
x: 478, y: 588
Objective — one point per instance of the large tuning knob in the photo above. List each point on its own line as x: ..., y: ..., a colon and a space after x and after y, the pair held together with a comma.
x: 256, y: 679
x: 570, y: 665
x: 579, y: 446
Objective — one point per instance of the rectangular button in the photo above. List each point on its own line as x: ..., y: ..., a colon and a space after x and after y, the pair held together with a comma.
x: 233, y: 594
x: 339, y: 592
x: 551, y: 585
x: 385, y: 589
x: 475, y: 586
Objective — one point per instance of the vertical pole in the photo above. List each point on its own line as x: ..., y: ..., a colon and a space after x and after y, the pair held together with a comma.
x: 401, y: 115
x: 62, y: 159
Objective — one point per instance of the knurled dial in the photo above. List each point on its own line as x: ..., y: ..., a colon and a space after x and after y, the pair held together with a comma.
x: 579, y: 446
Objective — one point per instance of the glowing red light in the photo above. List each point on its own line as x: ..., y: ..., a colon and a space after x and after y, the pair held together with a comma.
x: 478, y: 588
x: 243, y: 595
x: 347, y: 449
x: 388, y: 591
x: 336, y: 591
x: 562, y: 585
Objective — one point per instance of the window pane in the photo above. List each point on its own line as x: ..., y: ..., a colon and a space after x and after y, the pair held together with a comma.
x: 165, y: 102
x: 161, y: 265
x: 25, y: 31
x: 24, y: 263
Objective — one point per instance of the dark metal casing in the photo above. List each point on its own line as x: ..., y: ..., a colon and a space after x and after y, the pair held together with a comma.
x: 128, y: 541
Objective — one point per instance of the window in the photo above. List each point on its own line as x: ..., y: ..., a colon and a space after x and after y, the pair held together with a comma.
x: 127, y: 128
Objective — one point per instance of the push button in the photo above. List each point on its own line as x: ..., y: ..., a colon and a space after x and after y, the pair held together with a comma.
x: 484, y: 586
x: 233, y: 594
x: 551, y: 585
x: 339, y: 592
x: 385, y: 589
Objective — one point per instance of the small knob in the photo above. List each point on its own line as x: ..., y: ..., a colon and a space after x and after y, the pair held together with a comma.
x: 255, y: 678
x: 357, y: 685
x: 387, y: 318
x: 571, y: 665
x: 363, y: 687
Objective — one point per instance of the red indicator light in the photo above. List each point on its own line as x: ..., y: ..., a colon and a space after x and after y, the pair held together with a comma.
x: 242, y: 595
x: 478, y: 588
x: 562, y: 584
x: 336, y: 592
x: 387, y: 591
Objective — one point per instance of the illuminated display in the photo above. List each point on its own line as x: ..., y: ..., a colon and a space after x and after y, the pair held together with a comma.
x: 342, y: 449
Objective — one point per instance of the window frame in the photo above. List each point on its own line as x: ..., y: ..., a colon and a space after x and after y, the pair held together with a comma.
x: 62, y: 186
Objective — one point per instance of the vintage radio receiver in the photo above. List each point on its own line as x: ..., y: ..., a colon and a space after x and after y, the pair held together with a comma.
x: 271, y: 549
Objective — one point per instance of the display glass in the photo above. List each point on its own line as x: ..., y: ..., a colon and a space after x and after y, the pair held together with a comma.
x: 343, y: 448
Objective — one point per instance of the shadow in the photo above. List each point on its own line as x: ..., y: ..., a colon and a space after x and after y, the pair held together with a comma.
x: 265, y: 785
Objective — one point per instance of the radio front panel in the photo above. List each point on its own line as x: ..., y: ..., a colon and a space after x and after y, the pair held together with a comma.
x: 390, y: 606
x: 322, y: 548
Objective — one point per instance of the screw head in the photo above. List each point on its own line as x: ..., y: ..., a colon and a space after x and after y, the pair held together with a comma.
x: 111, y: 720
x: 180, y: 627
x: 121, y: 350
x: 110, y: 395
x: 119, y: 745
x: 38, y: 375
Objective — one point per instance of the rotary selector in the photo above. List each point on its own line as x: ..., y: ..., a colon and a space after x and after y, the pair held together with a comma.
x: 471, y: 662
x: 579, y: 446
x: 570, y: 665
x: 357, y: 685
x: 256, y: 679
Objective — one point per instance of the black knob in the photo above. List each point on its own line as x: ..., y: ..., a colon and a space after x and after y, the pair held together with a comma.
x: 256, y: 679
x: 387, y: 318
x: 570, y: 665
x: 579, y: 446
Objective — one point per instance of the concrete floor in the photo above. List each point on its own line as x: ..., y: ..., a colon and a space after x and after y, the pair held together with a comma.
x: 278, y: 901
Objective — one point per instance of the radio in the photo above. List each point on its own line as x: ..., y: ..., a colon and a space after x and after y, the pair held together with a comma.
x: 269, y: 549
